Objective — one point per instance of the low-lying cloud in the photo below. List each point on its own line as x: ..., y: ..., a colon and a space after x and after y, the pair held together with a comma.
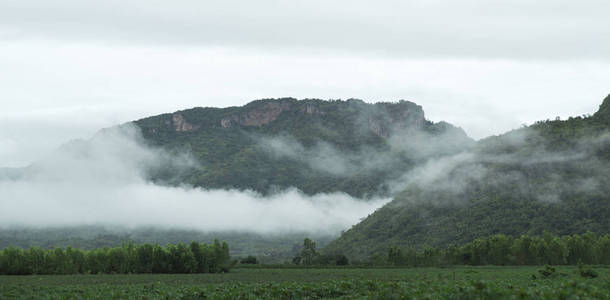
x: 102, y: 182
x: 326, y: 158
x: 519, y: 162
x: 404, y: 147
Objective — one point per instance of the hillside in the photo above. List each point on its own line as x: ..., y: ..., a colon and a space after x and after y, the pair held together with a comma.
x: 314, y: 145
x: 209, y: 156
x: 553, y: 176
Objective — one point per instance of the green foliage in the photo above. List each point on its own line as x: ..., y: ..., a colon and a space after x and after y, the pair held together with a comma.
x: 551, y: 176
x: 231, y: 156
x: 268, y: 248
x: 127, y: 259
x: 250, y: 260
x: 502, y: 250
x: 586, y: 272
x: 309, y: 256
x: 549, y: 272
x: 308, y: 252
x: 426, y: 283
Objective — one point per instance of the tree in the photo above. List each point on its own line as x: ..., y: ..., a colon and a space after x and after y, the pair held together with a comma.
x: 144, y: 259
x: 308, y: 252
x: 395, y: 257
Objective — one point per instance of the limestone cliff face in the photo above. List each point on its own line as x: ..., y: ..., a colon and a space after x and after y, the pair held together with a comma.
x: 310, y: 109
x: 317, y: 146
x: 381, y: 118
x: 179, y: 124
x: 259, y: 115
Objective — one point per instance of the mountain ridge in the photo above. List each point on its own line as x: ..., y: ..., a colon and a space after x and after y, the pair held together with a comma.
x: 232, y: 144
x: 551, y: 176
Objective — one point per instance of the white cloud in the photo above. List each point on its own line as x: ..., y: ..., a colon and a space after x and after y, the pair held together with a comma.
x: 100, y: 182
x: 491, y: 29
x: 70, y: 67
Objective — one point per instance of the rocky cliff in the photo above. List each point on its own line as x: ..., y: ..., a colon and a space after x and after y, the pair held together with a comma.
x: 313, y: 145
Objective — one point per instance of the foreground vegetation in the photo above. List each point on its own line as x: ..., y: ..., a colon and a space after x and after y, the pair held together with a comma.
x: 311, y: 283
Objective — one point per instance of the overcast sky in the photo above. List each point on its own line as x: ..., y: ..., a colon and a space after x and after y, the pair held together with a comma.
x: 68, y: 68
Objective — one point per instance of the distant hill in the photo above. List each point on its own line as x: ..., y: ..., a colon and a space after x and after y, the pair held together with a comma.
x: 314, y: 145
x: 553, y: 176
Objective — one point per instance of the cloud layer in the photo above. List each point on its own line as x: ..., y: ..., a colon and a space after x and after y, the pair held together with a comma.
x: 491, y: 29
x: 100, y: 182
x: 70, y: 67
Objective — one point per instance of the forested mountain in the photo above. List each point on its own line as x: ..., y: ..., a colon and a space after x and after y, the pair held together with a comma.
x: 447, y: 189
x: 314, y: 145
x: 552, y: 176
x: 268, y: 146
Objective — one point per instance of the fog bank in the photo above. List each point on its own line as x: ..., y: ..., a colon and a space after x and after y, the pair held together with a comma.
x: 102, y: 182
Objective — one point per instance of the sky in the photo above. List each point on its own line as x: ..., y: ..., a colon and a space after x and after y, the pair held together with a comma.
x: 71, y: 67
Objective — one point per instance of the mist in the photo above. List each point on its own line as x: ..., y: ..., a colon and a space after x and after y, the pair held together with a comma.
x: 405, y: 147
x: 102, y: 181
x: 327, y: 158
x: 517, y: 163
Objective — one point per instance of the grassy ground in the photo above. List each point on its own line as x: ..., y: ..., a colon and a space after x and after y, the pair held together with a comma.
x: 246, y: 283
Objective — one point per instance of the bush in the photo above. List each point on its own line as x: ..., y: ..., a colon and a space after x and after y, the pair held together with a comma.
x: 251, y: 260
x: 586, y: 272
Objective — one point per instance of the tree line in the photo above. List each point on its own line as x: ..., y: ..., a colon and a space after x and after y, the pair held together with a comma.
x: 126, y: 259
x: 502, y: 250
x: 309, y: 256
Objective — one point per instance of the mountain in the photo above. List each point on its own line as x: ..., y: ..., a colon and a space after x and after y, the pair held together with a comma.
x: 313, y: 145
x: 270, y: 146
x: 552, y: 176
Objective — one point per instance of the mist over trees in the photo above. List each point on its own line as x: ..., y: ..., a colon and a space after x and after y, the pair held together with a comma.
x: 310, y: 167
x: 313, y: 145
x: 552, y: 176
x: 323, y: 165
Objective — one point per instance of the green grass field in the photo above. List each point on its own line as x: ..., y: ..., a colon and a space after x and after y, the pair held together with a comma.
x: 348, y: 283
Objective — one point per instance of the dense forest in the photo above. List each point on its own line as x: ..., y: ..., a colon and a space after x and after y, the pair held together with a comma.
x: 266, y: 146
x: 269, y: 249
x: 126, y: 259
x: 503, y: 250
x: 314, y: 145
x: 447, y: 189
x: 552, y: 176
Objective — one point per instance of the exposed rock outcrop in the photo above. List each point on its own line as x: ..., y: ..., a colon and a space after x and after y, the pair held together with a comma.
x: 310, y: 109
x: 381, y: 118
x: 180, y: 124
x: 260, y: 115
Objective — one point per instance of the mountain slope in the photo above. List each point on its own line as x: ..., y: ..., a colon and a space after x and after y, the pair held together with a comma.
x: 553, y: 175
x: 266, y: 146
x: 314, y: 145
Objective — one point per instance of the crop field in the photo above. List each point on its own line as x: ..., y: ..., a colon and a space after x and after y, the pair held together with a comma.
x: 314, y: 283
